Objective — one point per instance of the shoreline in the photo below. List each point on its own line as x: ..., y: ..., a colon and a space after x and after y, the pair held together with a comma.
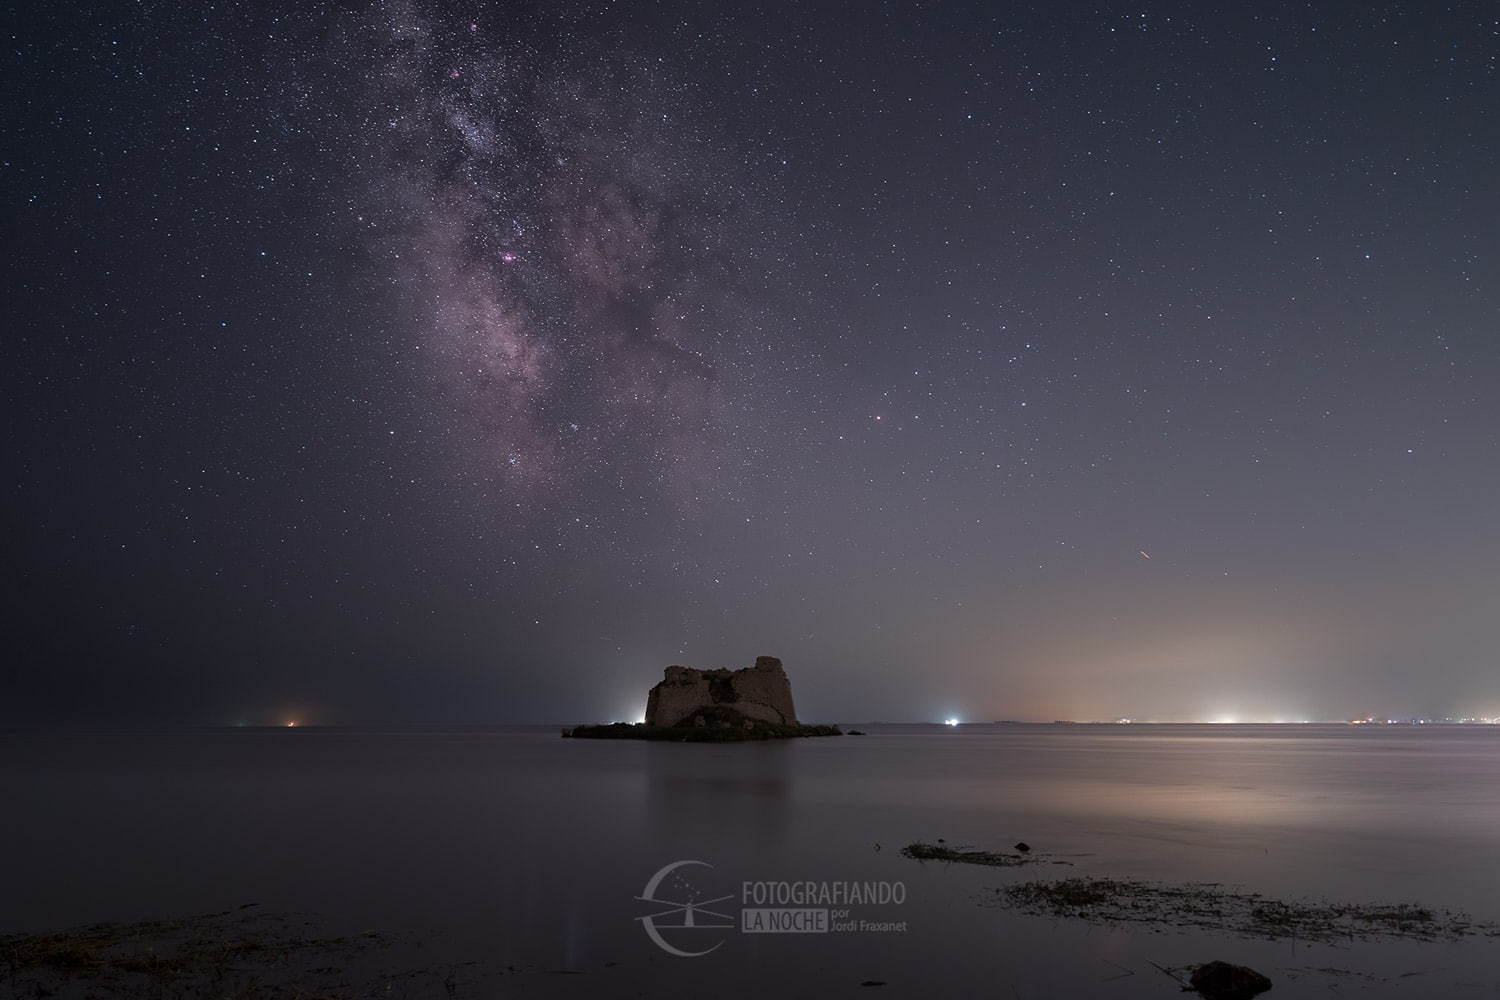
x: 247, y: 952
x: 698, y: 734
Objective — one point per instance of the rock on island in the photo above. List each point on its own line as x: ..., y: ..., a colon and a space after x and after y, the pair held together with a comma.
x: 716, y: 705
x: 761, y: 692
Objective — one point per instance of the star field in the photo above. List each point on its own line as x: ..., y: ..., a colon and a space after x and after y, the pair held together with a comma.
x: 407, y: 361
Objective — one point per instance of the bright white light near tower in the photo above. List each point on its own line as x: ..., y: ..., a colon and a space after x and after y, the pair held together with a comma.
x: 950, y: 722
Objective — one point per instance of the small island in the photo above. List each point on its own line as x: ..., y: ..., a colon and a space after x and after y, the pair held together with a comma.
x: 715, y: 706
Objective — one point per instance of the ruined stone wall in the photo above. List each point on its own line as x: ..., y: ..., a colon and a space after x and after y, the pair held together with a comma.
x: 760, y: 692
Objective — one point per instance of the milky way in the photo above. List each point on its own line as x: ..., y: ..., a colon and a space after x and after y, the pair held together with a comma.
x: 573, y: 249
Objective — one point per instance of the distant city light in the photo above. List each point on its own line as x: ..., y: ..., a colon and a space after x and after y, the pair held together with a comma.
x: 950, y: 722
x: 1468, y: 720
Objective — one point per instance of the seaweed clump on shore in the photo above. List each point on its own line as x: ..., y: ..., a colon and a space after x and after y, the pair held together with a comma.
x: 1211, y: 906
x: 922, y: 851
x: 234, y: 953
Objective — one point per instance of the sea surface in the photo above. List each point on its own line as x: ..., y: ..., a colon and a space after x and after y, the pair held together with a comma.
x: 527, y: 862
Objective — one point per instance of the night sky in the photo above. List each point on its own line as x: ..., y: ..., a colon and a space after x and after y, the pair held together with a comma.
x: 414, y: 362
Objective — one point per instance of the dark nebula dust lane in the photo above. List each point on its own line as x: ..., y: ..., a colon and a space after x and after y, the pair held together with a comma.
x: 568, y: 244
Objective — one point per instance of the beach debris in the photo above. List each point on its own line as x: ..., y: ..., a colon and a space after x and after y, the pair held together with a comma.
x: 1100, y: 899
x: 1023, y: 847
x: 211, y: 954
x: 1223, y: 981
x: 920, y: 851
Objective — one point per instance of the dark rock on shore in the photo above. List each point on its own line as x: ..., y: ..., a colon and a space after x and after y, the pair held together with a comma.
x: 1223, y: 981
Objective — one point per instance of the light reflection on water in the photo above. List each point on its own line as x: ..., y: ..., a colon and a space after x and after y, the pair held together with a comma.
x: 523, y: 849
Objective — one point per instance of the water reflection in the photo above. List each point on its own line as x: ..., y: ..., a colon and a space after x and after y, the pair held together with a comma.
x: 522, y: 848
x: 695, y: 794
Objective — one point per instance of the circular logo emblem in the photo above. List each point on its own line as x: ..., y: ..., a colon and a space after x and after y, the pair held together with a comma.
x: 687, y: 922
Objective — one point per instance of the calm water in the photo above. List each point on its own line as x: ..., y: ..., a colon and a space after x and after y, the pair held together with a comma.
x: 526, y: 852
